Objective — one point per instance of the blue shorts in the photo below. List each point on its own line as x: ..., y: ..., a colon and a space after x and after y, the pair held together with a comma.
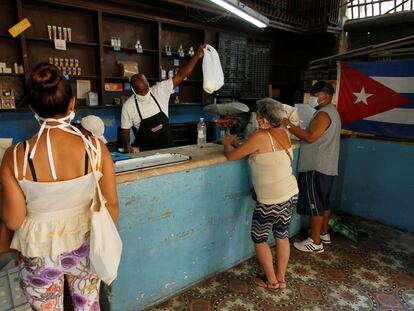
x: 314, y: 191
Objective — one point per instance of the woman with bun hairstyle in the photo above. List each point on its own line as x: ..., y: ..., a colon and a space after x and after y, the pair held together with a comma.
x: 48, y: 187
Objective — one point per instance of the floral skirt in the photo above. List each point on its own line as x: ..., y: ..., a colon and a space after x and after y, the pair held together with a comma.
x: 42, y: 280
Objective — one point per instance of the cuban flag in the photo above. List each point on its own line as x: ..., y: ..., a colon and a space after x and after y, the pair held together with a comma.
x: 377, y: 97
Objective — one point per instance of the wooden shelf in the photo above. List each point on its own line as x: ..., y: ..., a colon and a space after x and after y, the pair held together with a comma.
x: 11, y: 74
x: 84, y: 77
x: 131, y: 50
x: 67, y: 42
x: 175, y: 54
x: 6, y: 37
x: 127, y: 78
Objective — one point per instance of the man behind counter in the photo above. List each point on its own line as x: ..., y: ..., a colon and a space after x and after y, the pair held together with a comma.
x: 147, y: 109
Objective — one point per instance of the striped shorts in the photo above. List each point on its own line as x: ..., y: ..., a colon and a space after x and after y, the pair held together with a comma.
x: 275, y: 217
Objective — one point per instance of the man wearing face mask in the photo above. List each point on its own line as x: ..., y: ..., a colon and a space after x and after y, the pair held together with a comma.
x: 318, y: 164
x: 147, y: 109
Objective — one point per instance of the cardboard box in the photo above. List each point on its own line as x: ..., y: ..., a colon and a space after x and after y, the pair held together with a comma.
x: 113, y: 87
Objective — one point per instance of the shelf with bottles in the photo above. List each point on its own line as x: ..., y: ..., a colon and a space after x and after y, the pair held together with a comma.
x: 129, y: 34
x: 83, y: 77
x: 181, y: 53
x: 46, y: 40
x: 131, y: 50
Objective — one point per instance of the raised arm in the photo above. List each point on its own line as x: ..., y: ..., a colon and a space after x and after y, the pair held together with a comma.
x: 319, y: 125
x: 187, y: 69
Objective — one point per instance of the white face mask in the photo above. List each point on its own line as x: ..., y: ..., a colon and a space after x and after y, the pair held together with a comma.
x: 313, y: 101
x: 144, y: 98
x: 67, y: 119
x: 141, y: 98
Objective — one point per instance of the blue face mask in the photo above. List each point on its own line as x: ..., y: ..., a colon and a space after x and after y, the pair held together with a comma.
x: 313, y: 101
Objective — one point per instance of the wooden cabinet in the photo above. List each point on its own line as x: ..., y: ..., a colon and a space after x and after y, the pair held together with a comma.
x: 91, y: 32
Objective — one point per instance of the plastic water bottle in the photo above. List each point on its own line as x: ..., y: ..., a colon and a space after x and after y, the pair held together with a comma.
x: 201, y: 133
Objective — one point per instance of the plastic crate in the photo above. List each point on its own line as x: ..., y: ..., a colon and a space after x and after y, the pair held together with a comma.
x: 11, y: 295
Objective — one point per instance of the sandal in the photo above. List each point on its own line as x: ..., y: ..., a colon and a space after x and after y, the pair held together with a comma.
x: 282, y: 285
x: 261, y: 280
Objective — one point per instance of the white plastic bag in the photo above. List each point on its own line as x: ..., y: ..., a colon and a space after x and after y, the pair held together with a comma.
x: 291, y: 114
x: 105, y: 243
x: 212, y: 71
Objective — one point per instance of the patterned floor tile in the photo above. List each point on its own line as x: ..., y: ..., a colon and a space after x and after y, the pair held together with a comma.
x: 375, y: 274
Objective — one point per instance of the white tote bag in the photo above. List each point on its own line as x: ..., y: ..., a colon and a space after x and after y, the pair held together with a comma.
x: 105, y: 243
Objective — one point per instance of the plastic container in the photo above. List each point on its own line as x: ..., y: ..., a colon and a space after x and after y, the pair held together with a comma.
x: 201, y: 133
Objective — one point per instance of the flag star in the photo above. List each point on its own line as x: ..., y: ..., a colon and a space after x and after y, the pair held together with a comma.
x: 362, y: 96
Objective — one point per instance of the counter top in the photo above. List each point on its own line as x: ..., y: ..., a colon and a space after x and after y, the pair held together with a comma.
x: 210, y: 154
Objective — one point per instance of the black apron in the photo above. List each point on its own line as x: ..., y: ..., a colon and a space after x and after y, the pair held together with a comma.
x: 154, y: 132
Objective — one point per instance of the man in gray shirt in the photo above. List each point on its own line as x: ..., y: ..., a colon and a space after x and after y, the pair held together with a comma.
x: 318, y: 164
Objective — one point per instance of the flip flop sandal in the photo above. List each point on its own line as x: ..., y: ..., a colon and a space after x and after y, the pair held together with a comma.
x: 261, y: 280
x: 282, y: 285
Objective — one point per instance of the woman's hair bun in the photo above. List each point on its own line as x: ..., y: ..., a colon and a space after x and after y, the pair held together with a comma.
x: 48, y: 93
x: 46, y: 77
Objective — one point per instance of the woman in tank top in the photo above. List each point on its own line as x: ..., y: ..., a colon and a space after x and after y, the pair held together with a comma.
x: 270, y: 160
x: 48, y: 187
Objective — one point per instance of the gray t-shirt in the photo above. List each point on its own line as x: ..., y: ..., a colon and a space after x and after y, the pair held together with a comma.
x: 323, y: 154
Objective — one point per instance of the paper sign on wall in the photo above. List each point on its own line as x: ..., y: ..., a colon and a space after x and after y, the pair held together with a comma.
x: 19, y: 27
x: 82, y: 88
x: 60, y: 44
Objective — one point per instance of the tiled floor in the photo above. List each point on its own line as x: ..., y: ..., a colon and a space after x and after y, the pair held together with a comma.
x: 375, y: 274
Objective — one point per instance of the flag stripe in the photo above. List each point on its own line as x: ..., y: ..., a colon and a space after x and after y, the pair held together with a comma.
x: 397, y: 115
x: 397, y: 84
x: 382, y: 128
x: 385, y: 69
x: 409, y: 105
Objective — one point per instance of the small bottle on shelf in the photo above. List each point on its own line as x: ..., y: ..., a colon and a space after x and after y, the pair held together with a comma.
x: 15, y: 67
x: 54, y: 32
x: 163, y: 74
x: 49, y: 32
x: 191, y: 51
x: 170, y: 74
x: 69, y: 34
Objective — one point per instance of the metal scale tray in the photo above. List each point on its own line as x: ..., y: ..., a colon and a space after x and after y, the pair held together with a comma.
x: 158, y: 159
